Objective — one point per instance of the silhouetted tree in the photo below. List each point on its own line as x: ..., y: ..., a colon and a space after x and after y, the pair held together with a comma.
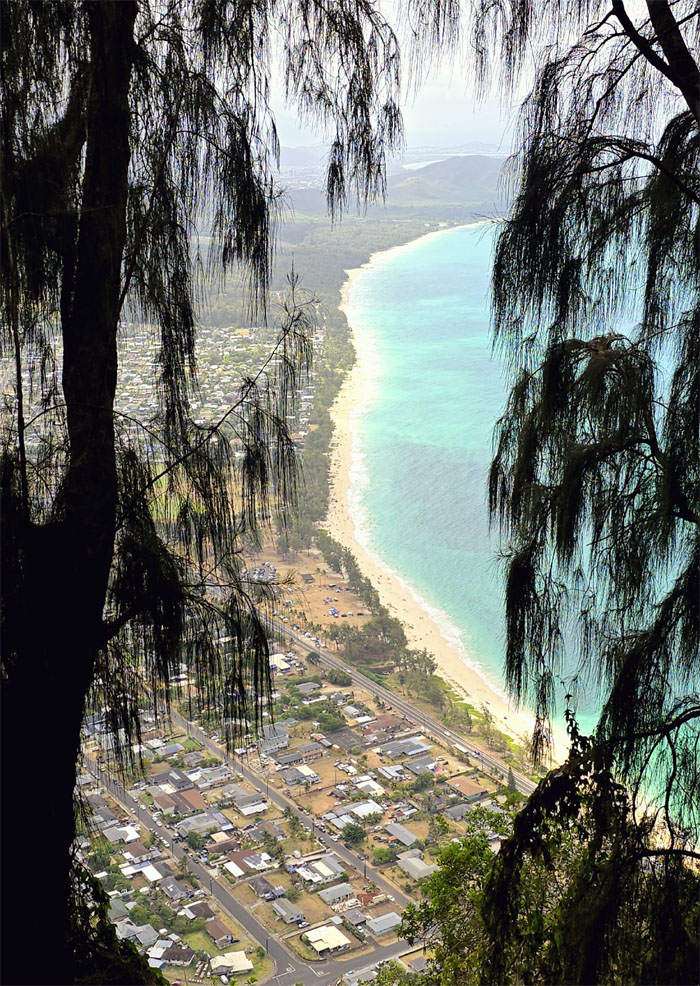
x: 126, y: 128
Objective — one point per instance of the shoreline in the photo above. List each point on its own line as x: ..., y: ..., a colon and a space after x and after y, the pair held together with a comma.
x: 424, y: 625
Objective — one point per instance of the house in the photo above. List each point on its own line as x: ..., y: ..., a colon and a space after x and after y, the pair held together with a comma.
x: 264, y: 828
x: 104, y: 818
x: 170, y: 749
x: 392, y: 773
x: 469, y: 788
x: 181, y: 955
x: 311, y: 751
x: 143, y: 934
x: 164, y: 802
x: 421, y: 765
x: 365, y: 809
x: 264, y: 889
x: 125, y: 928
x: 242, y: 862
x: 117, y: 910
x: 121, y: 833
x: 289, y: 759
x: 193, y: 800
x: 171, y: 780
x: 386, y: 722
x: 250, y: 804
x: 307, y: 688
x: 416, y: 867
x: 273, y: 737
x: 289, y: 912
x: 457, y: 812
x: 384, y: 923
x: 300, y: 775
x: 135, y: 851
x: 219, y: 933
x: 193, y: 759
x: 198, y: 909
x: 207, y: 821
x: 354, y: 917
x: 211, y: 776
x: 230, y: 963
x: 173, y: 888
x: 397, y: 831
x: 327, y: 939
x: 337, y: 894
x: 368, y: 785
x: 411, y: 747
x: 318, y: 871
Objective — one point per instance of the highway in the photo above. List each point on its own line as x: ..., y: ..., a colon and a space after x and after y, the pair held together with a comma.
x: 435, y: 728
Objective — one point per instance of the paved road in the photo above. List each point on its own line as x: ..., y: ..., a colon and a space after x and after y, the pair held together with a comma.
x: 435, y: 728
x: 290, y: 968
x: 276, y: 797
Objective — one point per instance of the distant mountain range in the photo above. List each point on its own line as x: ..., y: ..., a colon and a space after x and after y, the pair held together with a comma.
x: 454, y: 181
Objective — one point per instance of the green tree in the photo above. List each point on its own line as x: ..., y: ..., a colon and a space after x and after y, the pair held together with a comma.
x: 195, y: 840
x: 353, y: 833
x: 597, y: 472
x: 595, y: 481
x: 126, y: 127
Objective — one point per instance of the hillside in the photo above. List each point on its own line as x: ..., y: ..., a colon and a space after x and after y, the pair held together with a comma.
x: 456, y: 188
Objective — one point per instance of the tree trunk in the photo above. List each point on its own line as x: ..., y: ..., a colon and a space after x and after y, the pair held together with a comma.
x: 65, y: 565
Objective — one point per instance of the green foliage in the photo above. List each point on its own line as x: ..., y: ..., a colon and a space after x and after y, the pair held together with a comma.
x: 195, y: 840
x: 353, y: 833
x: 596, y: 478
x: 293, y: 894
x: 424, y: 782
x: 384, y: 854
x: 338, y: 677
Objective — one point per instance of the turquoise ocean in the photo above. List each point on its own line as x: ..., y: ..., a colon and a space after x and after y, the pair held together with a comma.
x: 423, y: 435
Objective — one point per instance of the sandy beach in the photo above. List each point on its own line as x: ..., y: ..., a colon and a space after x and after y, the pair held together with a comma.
x: 420, y: 623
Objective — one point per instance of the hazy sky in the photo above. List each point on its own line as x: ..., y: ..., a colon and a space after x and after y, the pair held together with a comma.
x: 443, y: 114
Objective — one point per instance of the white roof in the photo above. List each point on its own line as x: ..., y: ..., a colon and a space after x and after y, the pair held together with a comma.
x: 326, y: 937
x: 235, y: 961
x: 151, y: 874
x: 366, y: 808
x: 233, y: 869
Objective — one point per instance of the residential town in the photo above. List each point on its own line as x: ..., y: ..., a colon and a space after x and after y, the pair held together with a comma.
x: 302, y: 846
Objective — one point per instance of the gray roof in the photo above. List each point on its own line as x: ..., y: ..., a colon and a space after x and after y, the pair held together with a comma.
x: 417, y: 868
x: 355, y: 916
x: 332, y: 894
x: 308, y: 687
x: 384, y: 923
x: 410, y: 747
x: 420, y: 765
x: 289, y: 758
x: 273, y: 731
x: 457, y: 812
x: 287, y: 910
x: 399, y: 832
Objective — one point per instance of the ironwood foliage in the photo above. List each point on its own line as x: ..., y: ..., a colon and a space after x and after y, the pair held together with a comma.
x: 595, y: 478
x: 139, y: 152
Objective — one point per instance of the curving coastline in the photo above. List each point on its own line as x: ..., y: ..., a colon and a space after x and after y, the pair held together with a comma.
x: 425, y: 626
